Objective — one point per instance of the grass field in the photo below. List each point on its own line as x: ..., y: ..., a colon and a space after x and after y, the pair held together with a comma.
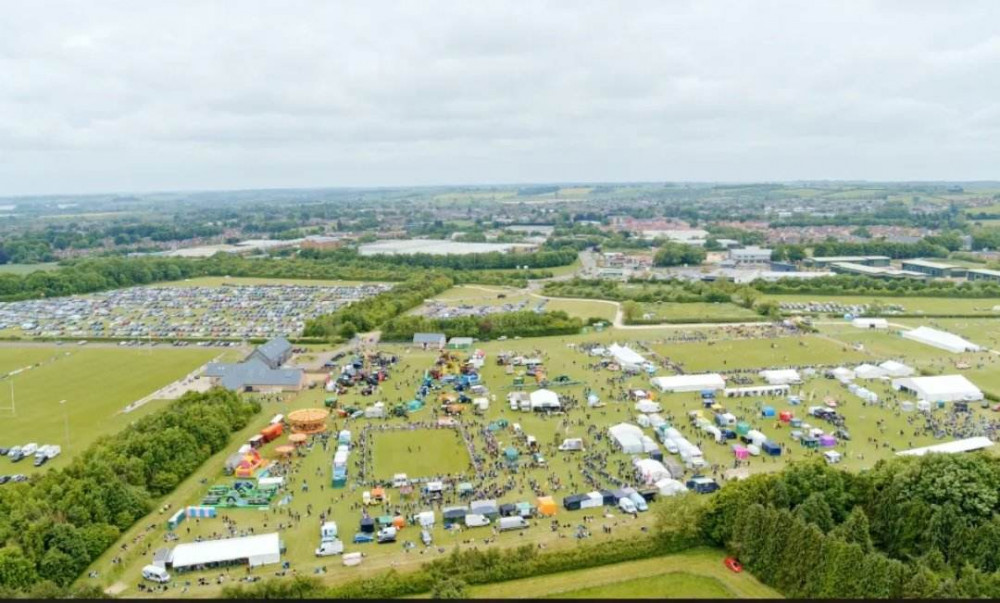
x: 754, y: 353
x: 218, y: 281
x: 911, y: 305
x: 698, y: 310
x: 96, y: 383
x: 419, y: 453
x: 695, y: 574
x: 583, y: 308
x: 562, y: 476
x: 26, y: 268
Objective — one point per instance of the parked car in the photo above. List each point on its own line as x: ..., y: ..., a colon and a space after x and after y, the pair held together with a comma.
x: 20, y: 477
x: 4, y: 451
x: 842, y: 433
x: 40, y: 460
x: 425, y: 537
x: 363, y: 537
x: 16, y: 456
x: 733, y: 564
x: 14, y: 451
x: 4, y: 479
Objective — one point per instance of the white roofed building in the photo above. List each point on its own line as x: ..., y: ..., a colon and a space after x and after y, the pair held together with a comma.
x: 870, y: 323
x: 689, y: 383
x: 947, y: 388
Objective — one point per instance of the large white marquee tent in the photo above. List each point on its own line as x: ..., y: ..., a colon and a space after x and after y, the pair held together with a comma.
x: 689, y: 383
x: 947, y: 388
x: 941, y: 339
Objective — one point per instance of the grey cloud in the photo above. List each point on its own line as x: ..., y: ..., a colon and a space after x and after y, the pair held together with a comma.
x: 114, y: 95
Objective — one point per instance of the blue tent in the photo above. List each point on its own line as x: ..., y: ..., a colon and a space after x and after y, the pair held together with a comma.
x: 767, y: 411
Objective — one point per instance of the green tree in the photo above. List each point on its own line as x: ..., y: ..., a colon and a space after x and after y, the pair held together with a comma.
x: 449, y: 587
x: 855, y: 530
x: 16, y: 571
x: 816, y: 510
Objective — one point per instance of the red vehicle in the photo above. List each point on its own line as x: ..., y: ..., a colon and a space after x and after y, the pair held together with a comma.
x: 733, y: 564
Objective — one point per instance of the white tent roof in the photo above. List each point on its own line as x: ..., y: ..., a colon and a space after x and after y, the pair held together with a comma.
x: 651, y: 470
x: 542, y: 398
x: 669, y: 487
x: 966, y: 445
x: 870, y: 323
x: 647, y: 406
x: 868, y: 371
x: 948, y: 388
x: 689, y: 383
x: 625, y: 355
x: 781, y: 376
x: 628, y: 436
x: 941, y: 339
x: 259, y: 550
x: 896, y: 369
x: 842, y: 372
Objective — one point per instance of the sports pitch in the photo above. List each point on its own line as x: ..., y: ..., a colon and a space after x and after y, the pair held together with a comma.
x: 419, y: 453
x: 96, y: 384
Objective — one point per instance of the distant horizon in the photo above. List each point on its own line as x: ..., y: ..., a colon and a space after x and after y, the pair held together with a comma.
x: 38, y: 196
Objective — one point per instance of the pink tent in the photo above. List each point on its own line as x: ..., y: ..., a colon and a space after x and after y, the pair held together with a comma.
x: 741, y: 452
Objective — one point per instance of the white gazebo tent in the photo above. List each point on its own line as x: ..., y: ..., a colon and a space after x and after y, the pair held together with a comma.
x: 689, y: 383
x: 941, y: 339
x: 626, y: 356
x: 896, y: 369
x: 544, y: 399
x: 628, y: 437
x: 780, y: 376
x: 946, y: 388
x: 869, y: 371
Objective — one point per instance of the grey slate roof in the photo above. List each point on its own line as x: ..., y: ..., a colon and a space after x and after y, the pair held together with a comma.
x: 274, y: 352
x: 253, y: 372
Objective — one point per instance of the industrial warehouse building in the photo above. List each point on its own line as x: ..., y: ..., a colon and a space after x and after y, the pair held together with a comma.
x: 874, y: 271
x: 984, y: 275
x: 864, y: 260
x: 261, y: 549
x: 934, y: 269
x: 750, y: 255
x: 439, y: 247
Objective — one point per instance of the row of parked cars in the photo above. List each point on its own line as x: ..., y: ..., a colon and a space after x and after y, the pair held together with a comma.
x: 19, y: 477
x: 42, y: 454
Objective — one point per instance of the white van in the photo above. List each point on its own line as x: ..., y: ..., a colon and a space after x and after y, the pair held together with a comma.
x: 29, y: 449
x: 330, y: 547
x: 475, y: 520
x: 513, y: 523
x: 155, y: 573
x: 627, y: 506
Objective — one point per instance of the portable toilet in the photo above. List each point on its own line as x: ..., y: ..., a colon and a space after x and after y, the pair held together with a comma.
x: 767, y: 411
x: 740, y: 452
x: 707, y: 393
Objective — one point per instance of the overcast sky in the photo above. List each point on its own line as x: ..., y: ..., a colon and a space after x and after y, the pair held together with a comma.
x: 102, y: 96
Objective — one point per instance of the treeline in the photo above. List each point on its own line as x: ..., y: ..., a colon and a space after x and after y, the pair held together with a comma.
x: 54, y: 525
x: 915, y: 527
x: 643, y: 291
x: 863, y: 285
x: 678, y: 254
x: 100, y: 274
x: 512, y: 324
x: 896, y: 251
x: 374, y: 312
x: 473, y: 261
